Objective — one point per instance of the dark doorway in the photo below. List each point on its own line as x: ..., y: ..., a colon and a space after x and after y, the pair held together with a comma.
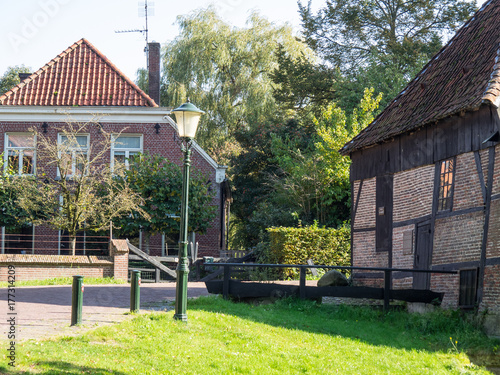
x: 422, y: 261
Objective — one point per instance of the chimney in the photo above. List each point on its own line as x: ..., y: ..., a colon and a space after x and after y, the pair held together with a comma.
x: 23, y: 76
x: 154, y: 71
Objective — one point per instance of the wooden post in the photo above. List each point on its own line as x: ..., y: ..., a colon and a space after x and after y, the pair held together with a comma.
x: 157, y: 275
x: 225, y: 285
x: 302, y: 286
x: 387, y: 289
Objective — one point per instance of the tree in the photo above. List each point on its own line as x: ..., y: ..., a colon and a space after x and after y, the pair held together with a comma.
x: 11, y: 77
x: 225, y: 71
x: 291, y: 174
x: 299, y: 83
x: 84, y: 195
x: 159, y: 182
x: 380, y: 43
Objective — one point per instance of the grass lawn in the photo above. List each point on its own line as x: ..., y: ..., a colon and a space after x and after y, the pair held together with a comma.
x: 65, y: 281
x: 289, y: 337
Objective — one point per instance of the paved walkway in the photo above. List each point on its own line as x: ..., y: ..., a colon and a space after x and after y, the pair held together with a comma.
x: 45, y: 311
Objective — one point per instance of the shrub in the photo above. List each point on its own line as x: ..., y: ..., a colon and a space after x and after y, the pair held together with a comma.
x: 326, y: 246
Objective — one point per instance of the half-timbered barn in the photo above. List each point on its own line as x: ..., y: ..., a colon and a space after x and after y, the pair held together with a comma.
x: 77, y: 85
x: 425, y: 174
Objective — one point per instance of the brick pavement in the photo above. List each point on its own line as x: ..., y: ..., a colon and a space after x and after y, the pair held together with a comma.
x: 45, y: 311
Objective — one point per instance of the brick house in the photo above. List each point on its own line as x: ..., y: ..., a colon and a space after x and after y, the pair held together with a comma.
x: 77, y: 84
x: 425, y: 174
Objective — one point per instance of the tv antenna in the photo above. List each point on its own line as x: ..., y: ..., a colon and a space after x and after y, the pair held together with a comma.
x: 143, y: 11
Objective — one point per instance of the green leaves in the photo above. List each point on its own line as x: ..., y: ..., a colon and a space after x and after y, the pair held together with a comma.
x: 159, y: 182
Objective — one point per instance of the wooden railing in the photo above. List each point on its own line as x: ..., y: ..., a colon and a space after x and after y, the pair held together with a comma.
x: 386, y: 293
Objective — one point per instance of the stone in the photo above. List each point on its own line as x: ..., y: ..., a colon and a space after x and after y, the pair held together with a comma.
x: 333, y: 278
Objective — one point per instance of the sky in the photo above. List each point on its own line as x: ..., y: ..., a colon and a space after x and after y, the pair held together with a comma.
x: 35, y: 31
x: 32, y: 32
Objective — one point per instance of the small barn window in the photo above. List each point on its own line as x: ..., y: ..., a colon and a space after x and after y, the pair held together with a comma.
x: 468, y: 288
x: 446, y: 180
x: 408, y: 242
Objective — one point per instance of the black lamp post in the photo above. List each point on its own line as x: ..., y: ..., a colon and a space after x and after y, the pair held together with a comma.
x: 188, y: 117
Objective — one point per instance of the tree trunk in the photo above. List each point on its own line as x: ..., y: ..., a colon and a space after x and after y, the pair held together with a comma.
x: 72, y: 240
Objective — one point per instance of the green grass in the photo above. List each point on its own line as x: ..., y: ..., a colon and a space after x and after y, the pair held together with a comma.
x: 289, y: 337
x: 65, y: 281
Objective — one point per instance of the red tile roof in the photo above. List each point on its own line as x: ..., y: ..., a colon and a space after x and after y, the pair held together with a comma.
x: 461, y: 77
x: 79, y: 76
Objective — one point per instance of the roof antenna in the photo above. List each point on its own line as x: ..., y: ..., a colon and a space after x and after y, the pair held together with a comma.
x: 143, y: 11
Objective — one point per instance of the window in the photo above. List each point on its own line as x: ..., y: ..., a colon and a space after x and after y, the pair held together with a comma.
x: 20, y: 153
x: 446, y: 180
x: 468, y: 288
x: 73, y: 151
x: 125, y: 148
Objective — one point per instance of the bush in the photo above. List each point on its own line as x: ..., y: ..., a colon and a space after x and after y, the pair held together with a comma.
x: 325, y: 246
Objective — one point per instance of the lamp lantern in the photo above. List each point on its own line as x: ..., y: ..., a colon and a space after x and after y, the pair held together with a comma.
x: 187, y: 117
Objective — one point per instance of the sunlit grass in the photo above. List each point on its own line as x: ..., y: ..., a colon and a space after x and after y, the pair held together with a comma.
x: 290, y: 337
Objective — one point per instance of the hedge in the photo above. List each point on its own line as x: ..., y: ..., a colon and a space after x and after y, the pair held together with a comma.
x: 326, y: 246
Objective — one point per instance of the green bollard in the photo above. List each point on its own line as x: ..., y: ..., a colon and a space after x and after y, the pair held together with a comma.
x: 77, y: 300
x: 135, y: 291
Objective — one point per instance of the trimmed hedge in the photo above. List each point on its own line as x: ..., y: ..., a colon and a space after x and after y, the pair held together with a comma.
x: 326, y: 246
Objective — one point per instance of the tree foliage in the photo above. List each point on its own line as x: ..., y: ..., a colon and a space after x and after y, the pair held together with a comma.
x: 159, y: 182
x: 291, y: 173
x: 225, y: 71
x: 85, y: 195
x: 379, y: 43
x: 11, y: 77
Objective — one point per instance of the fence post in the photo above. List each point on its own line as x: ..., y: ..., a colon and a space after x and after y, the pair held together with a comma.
x: 302, y: 285
x: 135, y: 291
x: 157, y: 275
x: 387, y: 289
x: 77, y: 300
x: 225, y: 285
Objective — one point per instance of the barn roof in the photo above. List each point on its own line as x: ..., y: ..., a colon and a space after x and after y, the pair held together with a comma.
x: 79, y: 76
x: 463, y: 75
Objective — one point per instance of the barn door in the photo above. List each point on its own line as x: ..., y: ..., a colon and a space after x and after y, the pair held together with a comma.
x: 422, y: 257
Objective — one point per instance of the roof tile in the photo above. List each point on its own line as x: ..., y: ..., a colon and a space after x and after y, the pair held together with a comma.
x: 79, y: 76
x: 462, y: 76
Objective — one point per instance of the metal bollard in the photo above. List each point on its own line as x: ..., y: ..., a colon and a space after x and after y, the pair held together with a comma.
x: 77, y: 300
x: 135, y: 291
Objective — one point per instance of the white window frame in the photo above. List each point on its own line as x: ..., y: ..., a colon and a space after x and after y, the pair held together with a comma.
x: 20, y: 151
x: 74, y: 151
x: 127, y: 150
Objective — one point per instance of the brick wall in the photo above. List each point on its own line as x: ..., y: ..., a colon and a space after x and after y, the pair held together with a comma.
x: 467, y: 192
x: 491, y: 298
x: 40, y: 267
x: 365, y: 215
x: 458, y: 238
x: 163, y: 144
x: 413, y: 191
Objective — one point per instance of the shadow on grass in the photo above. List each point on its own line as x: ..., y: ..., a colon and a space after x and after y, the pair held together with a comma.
x: 61, y: 368
x: 441, y: 330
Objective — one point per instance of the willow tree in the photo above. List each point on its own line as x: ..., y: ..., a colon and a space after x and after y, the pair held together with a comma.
x: 74, y: 188
x: 226, y: 71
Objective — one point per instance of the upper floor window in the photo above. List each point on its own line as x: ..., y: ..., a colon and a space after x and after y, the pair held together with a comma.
x: 73, y: 151
x: 446, y: 181
x: 125, y: 148
x: 19, y: 156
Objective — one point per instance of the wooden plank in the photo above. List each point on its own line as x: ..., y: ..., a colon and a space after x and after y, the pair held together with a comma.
x: 413, y: 295
x: 151, y: 260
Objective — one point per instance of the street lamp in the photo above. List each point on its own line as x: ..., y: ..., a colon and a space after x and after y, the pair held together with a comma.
x: 188, y: 117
